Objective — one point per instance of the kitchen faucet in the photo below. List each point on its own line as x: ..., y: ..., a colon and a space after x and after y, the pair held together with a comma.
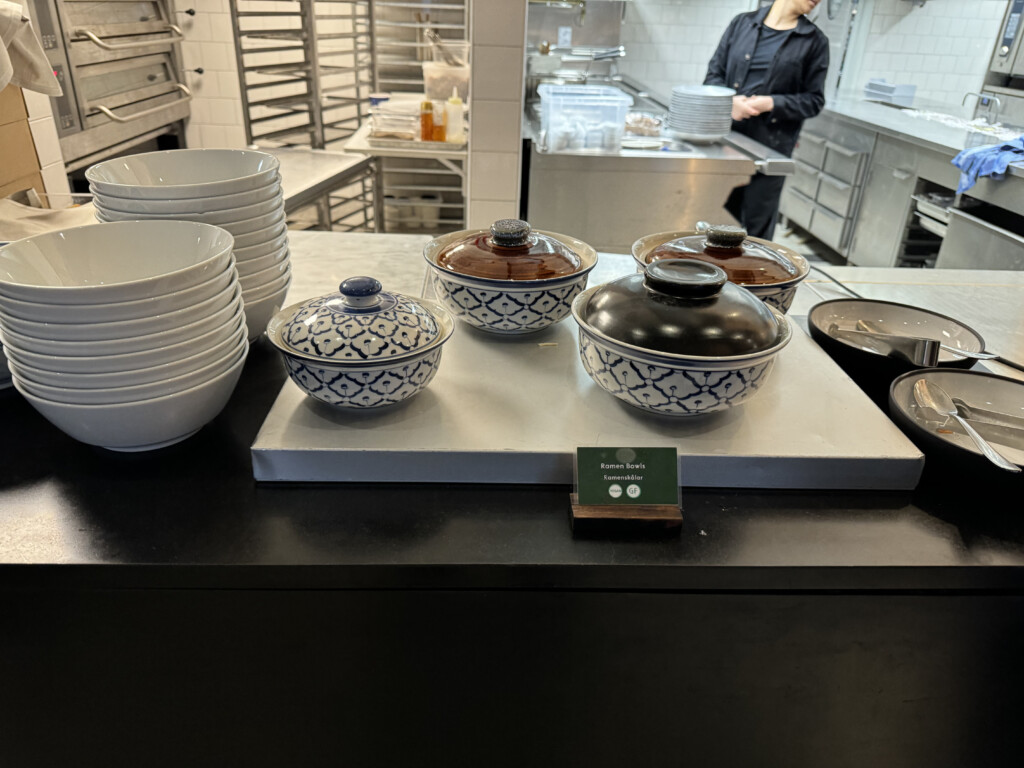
x: 986, y: 100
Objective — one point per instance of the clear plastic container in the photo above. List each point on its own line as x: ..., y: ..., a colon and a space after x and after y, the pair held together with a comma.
x: 392, y: 120
x: 576, y: 117
x: 439, y: 79
x: 457, y: 50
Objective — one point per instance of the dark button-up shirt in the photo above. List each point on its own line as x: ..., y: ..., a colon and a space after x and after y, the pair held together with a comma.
x: 795, y: 79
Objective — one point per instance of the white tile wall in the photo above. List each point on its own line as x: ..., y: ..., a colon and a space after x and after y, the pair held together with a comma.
x: 669, y: 42
x: 494, y: 176
x: 496, y: 125
x: 943, y: 47
x: 486, y: 212
x: 216, y: 112
x: 498, y: 35
x: 44, y: 136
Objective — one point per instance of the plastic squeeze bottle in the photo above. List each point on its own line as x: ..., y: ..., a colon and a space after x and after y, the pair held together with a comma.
x: 455, y: 129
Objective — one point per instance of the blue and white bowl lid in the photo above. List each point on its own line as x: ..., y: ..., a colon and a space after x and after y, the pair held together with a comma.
x: 359, y: 324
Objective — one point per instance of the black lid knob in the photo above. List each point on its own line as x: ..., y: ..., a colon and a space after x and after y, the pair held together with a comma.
x: 510, y: 233
x: 685, y: 278
x: 725, y: 236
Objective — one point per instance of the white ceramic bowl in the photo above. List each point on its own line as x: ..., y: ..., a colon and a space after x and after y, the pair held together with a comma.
x: 118, y: 310
x: 132, y: 361
x: 190, y: 204
x: 5, y: 372
x: 129, y: 378
x: 265, y: 222
x: 120, y: 329
x: 192, y: 330
x: 252, y: 266
x: 182, y: 173
x: 272, y: 245
x: 266, y: 276
x: 225, y: 218
x: 126, y: 261
x: 144, y: 424
x: 259, y: 311
x: 266, y: 289
x: 263, y: 235
x: 133, y: 392
x: 507, y: 306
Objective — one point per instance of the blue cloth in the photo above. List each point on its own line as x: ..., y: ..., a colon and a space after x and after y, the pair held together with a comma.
x: 991, y: 161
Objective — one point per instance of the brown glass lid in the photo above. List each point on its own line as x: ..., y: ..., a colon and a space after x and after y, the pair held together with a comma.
x: 510, y: 251
x: 746, y: 260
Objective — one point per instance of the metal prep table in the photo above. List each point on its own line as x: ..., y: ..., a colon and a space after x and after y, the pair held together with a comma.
x: 309, y: 176
x: 619, y: 196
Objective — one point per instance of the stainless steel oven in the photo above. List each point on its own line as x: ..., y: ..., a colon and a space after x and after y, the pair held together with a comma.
x: 1008, y: 56
x: 119, y: 62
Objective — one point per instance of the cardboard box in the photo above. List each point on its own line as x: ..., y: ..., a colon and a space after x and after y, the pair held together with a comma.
x: 17, y: 152
x: 12, y: 105
x: 32, y: 180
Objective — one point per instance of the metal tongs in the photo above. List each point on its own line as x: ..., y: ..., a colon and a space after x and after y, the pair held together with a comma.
x: 451, y: 59
x: 909, y: 349
x: 914, y: 349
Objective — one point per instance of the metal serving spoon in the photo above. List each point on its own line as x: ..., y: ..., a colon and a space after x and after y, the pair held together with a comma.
x: 933, y: 397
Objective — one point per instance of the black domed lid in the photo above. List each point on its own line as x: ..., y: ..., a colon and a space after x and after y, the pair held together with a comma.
x: 683, y: 307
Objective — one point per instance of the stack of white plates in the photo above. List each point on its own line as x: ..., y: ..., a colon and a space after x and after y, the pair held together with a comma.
x: 700, y: 112
x: 236, y: 189
x: 129, y: 335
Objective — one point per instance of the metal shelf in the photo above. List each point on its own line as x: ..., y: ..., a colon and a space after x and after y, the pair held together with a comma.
x: 296, y: 45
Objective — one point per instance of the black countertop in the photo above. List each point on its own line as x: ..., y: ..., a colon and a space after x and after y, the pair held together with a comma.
x: 164, y: 609
x: 191, y: 515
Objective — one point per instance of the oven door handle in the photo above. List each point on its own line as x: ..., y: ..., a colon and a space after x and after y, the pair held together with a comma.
x: 146, y: 112
x: 176, y: 37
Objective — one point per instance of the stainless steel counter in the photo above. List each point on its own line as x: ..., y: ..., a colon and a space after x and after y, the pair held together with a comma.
x: 901, y: 124
x: 619, y: 195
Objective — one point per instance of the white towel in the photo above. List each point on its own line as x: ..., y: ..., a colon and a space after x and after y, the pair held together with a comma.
x: 22, y: 59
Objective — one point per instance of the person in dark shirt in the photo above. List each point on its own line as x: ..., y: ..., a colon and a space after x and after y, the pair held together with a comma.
x: 776, y: 60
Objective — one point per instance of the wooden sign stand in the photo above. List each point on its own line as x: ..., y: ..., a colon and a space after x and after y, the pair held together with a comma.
x: 640, y: 520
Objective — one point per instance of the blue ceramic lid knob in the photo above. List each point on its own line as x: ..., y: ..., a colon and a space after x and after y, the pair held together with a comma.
x: 360, y: 292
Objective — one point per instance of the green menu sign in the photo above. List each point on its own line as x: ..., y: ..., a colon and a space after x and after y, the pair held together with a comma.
x: 627, y: 476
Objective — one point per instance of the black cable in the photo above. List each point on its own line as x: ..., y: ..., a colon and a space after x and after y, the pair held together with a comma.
x: 841, y: 285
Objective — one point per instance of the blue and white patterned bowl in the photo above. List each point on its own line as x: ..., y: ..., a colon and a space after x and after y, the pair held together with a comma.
x: 507, y: 306
x: 361, y: 347
x: 673, y: 384
x: 779, y: 295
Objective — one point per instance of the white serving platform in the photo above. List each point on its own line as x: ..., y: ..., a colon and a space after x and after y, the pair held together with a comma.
x: 514, y: 409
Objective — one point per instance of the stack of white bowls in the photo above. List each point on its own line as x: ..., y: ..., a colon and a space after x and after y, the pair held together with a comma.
x: 129, y: 336
x: 236, y: 189
x: 701, y: 113
x: 5, y: 373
